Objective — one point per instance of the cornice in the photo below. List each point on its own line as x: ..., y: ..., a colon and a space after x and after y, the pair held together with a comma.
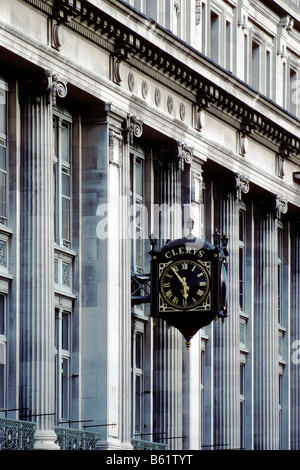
x: 119, y: 40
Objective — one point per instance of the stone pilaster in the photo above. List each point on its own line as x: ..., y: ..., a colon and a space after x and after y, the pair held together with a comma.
x: 226, y: 337
x: 265, y: 351
x: 37, y: 319
x: 295, y: 336
x: 167, y: 341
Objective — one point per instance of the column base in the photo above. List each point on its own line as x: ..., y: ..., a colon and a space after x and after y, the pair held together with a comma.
x: 45, y: 440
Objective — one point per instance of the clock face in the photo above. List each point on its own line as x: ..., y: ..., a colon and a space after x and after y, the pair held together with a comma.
x: 184, y: 284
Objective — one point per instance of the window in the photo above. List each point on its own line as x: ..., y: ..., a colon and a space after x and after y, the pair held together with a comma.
x: 203, y: 31
x: 255, y: 79
x: 280, y: 408
x: 246, y: 58
x: 293, y: 91
x: 202, y: 365
x: 138, y: 382
x: 137, y: 211
x: 3, y: 152
x: 268, y: 74
x: 242, y: 406
x: 62, y: 180
x: 242, y: 239
x: 228, y: 45
x: 2, y: 351
x: 214, y: 36
x: 280, y: 273
x: 62, y: 363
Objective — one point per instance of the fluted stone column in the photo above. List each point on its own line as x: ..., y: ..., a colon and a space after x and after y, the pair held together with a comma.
x: 295, y: 336
x: 226, y: 338
x: 265, y: 350
x: 167, y: 341
x: 37, y: 373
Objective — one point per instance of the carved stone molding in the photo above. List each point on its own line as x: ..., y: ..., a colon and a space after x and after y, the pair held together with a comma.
x: 280, y: 206
x: 116, y: 70
x: 199, y: 118
x: 57, y: 36
x: 241, y: 185
x: 115, y: 148
x: 280, y: 166
x: 132, y: 128
x: 197, y: 187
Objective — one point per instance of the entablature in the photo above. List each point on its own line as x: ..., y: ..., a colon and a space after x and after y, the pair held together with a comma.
x: 227, y: 93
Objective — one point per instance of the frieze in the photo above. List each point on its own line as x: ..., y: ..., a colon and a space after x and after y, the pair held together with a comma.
x: 97, y: 26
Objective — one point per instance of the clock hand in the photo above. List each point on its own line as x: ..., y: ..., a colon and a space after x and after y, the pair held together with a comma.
x: 185, y: 288
x: 184, y: 284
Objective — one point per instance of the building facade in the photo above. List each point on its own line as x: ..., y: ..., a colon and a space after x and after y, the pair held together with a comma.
x: 120, y: 121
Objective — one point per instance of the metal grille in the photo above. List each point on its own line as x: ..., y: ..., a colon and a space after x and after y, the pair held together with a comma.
x: 75, y: 439
x: 16, y: 435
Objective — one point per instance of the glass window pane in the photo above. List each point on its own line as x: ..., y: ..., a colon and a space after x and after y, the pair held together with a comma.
x: 2, y: 381
x: 138, y: 404
x: 2, y: 157
x: 66, y: 219
x: 2, y: 113
x: 65, y: 184
x: 65, y: 388
x: 2, y: 315
x: 2, y: 195
x: 139, y: 178
x: 65, y: 331
x: 65, y: 142
x: 139, y: 350
x: 55, y: 136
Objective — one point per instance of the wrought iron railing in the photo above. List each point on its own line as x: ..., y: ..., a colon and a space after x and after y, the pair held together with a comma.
x: 16, y: 434
x: 75, y: 439
x: 139, y: 444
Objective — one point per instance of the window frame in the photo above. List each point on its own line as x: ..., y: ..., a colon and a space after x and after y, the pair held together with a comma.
x: 4, y: 145
x: 3, y: 346
x: 62, y: 356
x: 61, y: 168
x: 137, y: 205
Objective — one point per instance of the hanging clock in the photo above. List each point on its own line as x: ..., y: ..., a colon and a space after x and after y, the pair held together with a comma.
x: 188, y: 284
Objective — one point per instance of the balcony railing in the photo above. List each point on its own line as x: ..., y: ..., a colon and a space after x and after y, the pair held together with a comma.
x: 16, y: 434
x: 139, y: 444
x: 75, y: 439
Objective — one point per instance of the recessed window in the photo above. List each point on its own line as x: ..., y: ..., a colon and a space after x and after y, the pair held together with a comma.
x: 137, y: 211
x: 214, y: 36
x: 3, y: 153
x: 63, y: 358
x: 2, y: 350
x: 62, y: 180
x: 255, y: 82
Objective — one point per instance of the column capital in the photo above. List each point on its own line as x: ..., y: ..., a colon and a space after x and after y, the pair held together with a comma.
x: 47, y: 84
x: 132, y: 128
x: 275, y: 206
x: 241, y: 185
